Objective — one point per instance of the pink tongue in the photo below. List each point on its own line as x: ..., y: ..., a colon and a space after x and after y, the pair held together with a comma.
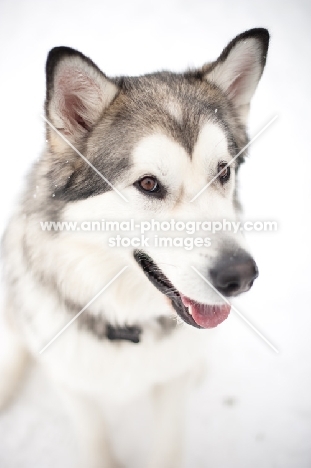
x: 207, y: 316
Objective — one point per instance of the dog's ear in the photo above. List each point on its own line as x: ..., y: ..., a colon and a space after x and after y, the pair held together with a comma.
x: 238, y: 69
x: 77, y: 93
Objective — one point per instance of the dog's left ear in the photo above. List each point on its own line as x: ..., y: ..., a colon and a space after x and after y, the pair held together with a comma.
x: 238, y: 69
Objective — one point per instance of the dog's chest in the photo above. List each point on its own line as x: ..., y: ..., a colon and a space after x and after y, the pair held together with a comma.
x: 123, y: 370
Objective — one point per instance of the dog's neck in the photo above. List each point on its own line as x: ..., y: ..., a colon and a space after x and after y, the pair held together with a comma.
x: 102, y: 329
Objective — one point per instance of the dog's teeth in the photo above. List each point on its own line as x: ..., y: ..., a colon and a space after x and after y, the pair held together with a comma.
x: 190, y: 310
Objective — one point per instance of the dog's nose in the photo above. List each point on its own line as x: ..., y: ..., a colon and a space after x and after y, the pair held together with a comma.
x: 234, y: 274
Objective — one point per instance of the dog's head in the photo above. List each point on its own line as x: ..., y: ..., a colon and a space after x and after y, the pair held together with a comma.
x: 159, y: 140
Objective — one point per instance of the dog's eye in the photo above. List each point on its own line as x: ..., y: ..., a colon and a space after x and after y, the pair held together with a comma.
x: 224, y: 171
x: 149, y: 184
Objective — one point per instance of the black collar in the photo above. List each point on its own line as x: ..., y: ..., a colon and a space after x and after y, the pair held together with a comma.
x: 98, y: 326
x: 123, y: 333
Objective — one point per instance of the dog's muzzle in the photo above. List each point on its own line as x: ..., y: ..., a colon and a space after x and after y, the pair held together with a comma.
x: 232, y: 274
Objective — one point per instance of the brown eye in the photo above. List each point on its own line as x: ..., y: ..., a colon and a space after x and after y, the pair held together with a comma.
x: 149, y: 184
x: 224, y: 172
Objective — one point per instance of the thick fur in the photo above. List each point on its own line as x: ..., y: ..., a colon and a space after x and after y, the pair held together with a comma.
x: 176, y: 127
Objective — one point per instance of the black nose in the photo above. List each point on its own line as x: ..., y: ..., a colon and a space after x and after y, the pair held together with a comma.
x: 234, y: 274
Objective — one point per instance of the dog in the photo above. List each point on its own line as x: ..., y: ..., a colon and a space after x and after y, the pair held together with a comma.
x: 163, y: 146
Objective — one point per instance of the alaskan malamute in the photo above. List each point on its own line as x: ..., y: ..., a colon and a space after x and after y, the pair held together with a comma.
x: 119, y: 149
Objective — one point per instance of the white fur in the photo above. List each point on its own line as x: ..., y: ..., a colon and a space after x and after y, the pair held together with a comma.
x: 175, y: 110
x: 81, y: 265
x: 89, y: 372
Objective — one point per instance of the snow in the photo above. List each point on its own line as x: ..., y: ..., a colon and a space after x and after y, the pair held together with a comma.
x: 254, y: 408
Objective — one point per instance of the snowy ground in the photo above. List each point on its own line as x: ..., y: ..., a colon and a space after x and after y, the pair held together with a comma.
x: 254, y: 409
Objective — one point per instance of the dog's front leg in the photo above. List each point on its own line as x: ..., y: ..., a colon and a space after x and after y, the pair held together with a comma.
x: 14, y: 358
x: 169, y: 401
x: 91, y: 430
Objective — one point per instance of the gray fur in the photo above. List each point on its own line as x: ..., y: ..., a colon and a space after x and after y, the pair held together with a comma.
x: 51, y: 277
x: 137, y: 111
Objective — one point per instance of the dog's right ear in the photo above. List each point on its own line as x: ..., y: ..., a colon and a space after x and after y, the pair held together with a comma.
x: 77, y: 93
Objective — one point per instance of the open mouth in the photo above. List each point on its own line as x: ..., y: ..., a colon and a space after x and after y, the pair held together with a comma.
x: 190, y: 311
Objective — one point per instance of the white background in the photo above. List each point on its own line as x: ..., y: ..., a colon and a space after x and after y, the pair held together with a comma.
x: 254, y: 409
